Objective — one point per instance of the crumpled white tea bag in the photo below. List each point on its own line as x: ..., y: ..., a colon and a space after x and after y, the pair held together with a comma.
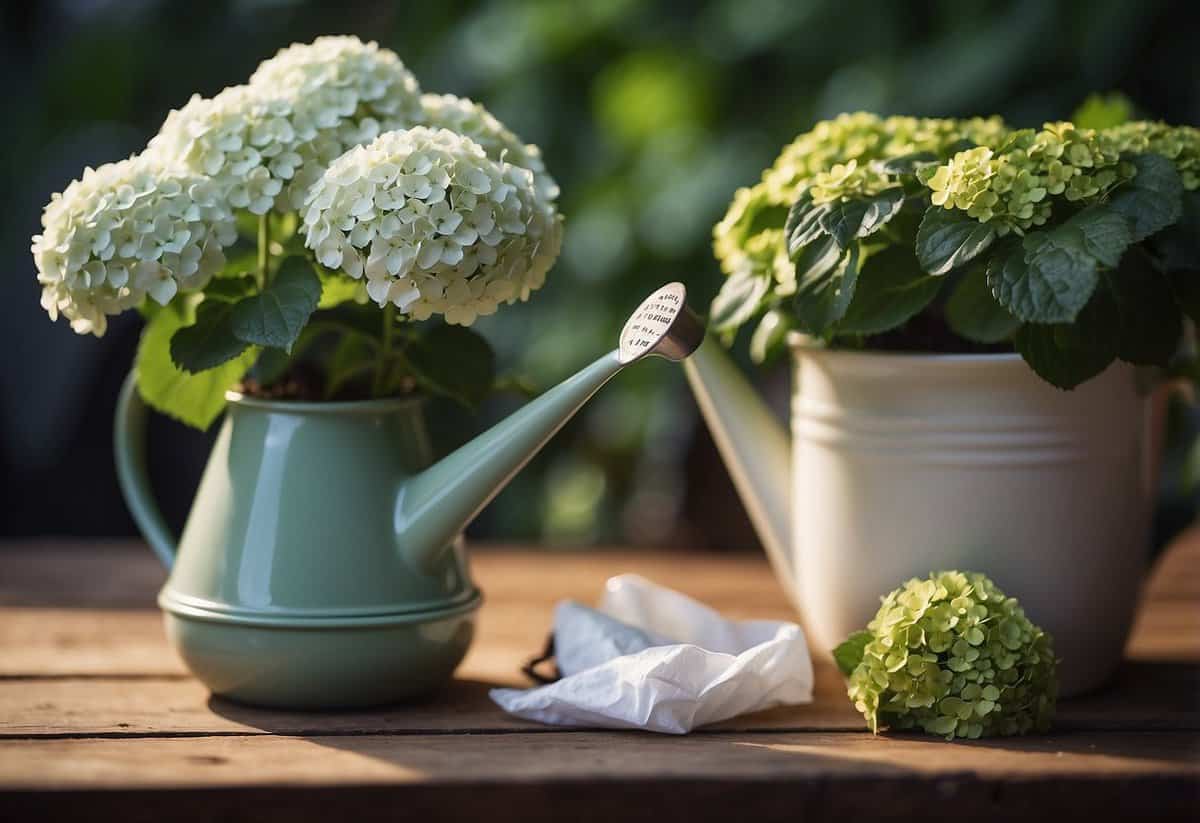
x: 654, y: 659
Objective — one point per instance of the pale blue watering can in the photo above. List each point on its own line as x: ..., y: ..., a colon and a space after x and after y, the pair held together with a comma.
x: 322, y: 564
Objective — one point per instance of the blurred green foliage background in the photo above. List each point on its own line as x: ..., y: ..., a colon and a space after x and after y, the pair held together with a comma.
x: 650, y: 114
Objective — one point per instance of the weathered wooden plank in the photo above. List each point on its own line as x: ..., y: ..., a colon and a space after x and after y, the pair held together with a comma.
x: 111, y: 638
x: 644, y: 777
x: 1143, y: 697
x: 91, y: 707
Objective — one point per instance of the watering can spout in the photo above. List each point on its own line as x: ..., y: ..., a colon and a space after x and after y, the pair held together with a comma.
x: 434, y: 506
x: 755, y: 447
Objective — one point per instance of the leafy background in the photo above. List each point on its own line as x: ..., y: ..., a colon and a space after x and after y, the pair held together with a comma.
x: 649, y: 113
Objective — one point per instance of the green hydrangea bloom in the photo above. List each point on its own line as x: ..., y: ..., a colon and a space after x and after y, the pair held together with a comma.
x: 1016, y: 185
x: 953, y: 656
x: 1180, y: 144
x: 838, y: 158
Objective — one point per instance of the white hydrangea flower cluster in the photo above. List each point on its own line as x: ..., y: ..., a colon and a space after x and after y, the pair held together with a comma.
x: 245, y: 143
x: 265, y: 143
x: 433, y: 224
x: 471, y: 119
x: 343, y: 93
x: 124, y: 231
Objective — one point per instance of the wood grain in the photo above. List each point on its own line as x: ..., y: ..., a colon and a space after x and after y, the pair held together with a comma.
x: 98, y: 718
x: 1142, y: 697
x: 600, y: 776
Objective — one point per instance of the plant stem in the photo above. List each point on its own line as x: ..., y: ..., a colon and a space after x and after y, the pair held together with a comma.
x: 264, y: 248
x: 385, y: 353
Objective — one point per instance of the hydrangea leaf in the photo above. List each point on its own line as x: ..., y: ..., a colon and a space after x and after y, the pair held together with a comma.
x: 337, y: 289
x: 230, y: 289
x: 1150, y: 323
x: 453, y: 361
x: 891, y: 289
x: 209, y: 341
x: 1067, y: 354
x: 1178, y: 246
x: 850, y: 653
x: 193, y: 399
x: 907, y: 163
x: 1046, y: 278
x: 1105, y: 233
x: 1102, y: 111
x: 737, y: 301
x: 825, y: 280
x: 855, y: 217
x: 948, y: 238
x: 275, y: 316
x: 973, y: 313
x: 1152, y: 200
x: 769, y: 335
x: 803, y: 224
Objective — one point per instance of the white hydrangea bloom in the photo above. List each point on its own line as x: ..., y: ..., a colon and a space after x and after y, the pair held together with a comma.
x: 124, y: 231
x: 346, y: 91
x: 472, y: 120
x: 266, y: 142
x: 433, y: 224
x: 246, y: 143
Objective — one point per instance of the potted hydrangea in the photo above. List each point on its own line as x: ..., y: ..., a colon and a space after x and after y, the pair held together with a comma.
x: 231, y: 234
x: 939, y: 283
x: 309, y: 251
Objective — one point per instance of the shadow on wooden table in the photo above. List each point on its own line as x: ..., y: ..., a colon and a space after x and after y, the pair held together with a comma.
x: 461, y: 707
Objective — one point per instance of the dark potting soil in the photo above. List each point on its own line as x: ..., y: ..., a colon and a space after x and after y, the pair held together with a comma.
x: 929, y: 334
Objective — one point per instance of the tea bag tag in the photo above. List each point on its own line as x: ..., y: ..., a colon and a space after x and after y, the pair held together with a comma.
x: 663, y: 325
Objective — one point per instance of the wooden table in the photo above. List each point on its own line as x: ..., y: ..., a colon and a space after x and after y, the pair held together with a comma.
x: 99, y: 720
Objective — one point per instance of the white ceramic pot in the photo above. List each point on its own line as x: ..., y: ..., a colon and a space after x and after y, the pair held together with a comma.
x: 906, y: 464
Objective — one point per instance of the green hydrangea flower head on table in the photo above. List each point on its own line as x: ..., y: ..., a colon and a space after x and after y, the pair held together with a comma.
x: 952, y: 655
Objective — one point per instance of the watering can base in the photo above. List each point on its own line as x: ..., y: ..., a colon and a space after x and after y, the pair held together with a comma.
x: 347, y: 666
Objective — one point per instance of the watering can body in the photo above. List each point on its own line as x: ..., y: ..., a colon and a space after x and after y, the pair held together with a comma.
x: 322, y: 564
x: 899, y: 465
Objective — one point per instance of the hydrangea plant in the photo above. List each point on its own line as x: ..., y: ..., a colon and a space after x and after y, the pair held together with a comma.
x: 290, y: 234
x: 951, y: 655
x: 1074, y: 246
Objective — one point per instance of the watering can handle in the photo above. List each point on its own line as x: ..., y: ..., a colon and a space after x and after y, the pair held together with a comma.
x: 129, y: 447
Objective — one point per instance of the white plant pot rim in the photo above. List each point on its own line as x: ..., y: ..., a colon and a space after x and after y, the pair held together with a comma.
x: 800, y: 342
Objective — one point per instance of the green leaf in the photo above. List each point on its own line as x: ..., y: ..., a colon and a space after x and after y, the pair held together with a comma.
x: 803, y: 224
x: 337, y: 289
x: 908, y: 163
x: 270, y: 366
x: 209, y: 341
x: 852, y: 218
x: 276, y: 316
x: 1066, y: 354
x: 850, y: 653
x: 1153, y: 199
x: 891, y: 289
x: 948, y: 238
x: 193, y: 399
x: 1105, y: 233
x: 1048, y: 277
x: 737, y: 301
x: 825, y: 281
x: 769, y: 335
x: 229, y: 289
x: 1102, y: 111
x: 1150, y: 324
x: 354, y: 356
x: 454, y: 361
x: 972, y: 312
x: 1178, y: 246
